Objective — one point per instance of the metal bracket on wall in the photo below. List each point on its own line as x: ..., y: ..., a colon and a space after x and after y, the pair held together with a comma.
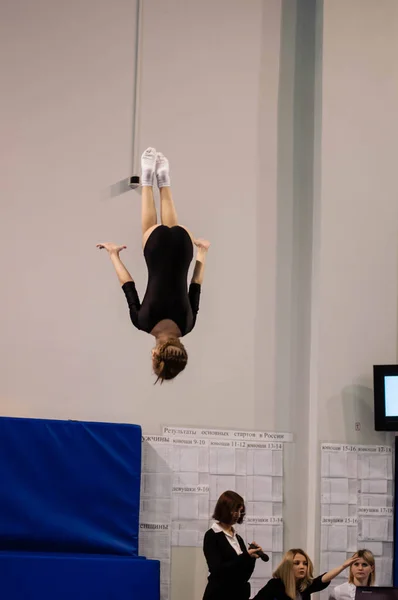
x: 133, y: 181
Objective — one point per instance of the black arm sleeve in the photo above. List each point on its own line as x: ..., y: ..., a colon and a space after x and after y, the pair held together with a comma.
x: 273, y: 590
x: 194, y: 297
x: 317, y: 585
x: 133, y: 301
x: 242, y: 564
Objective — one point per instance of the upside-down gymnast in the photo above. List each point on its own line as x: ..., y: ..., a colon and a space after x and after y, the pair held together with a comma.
x: 168, y: 310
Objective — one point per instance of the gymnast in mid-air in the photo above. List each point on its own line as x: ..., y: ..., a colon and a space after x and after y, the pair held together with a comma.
x: 168, y: 310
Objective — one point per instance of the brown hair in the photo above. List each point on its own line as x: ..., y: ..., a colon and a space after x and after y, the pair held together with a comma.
x: 227, y: 504
x: 170, y: 359
x: 285, y: 573
x: 368, y: 557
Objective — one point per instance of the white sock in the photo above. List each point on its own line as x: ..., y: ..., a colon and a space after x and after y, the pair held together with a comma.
x: 162, y: 170
x: 148, y: 164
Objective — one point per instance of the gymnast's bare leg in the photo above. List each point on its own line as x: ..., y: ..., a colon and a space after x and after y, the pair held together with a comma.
x: 149, y: 219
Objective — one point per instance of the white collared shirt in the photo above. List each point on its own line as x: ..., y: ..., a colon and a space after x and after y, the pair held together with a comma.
x: 232, y: 539
x: 345, y: 591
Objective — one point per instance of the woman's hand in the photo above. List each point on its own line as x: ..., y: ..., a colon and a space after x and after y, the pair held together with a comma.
x: 111, y: 248
x: 202, y: 244
x: 253, y: 551
x: 334, y: 572
x: 349, y: 561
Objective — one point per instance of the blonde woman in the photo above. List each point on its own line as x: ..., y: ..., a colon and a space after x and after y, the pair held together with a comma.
x: 294, y: 579
x: 362, y: 573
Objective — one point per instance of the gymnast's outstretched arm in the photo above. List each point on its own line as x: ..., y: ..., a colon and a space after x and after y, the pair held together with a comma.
x: 114, y: 251
x: 199, y: 270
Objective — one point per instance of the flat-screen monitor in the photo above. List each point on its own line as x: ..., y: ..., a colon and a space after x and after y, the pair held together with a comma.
x: 376, y: 593
x: 385, y: 385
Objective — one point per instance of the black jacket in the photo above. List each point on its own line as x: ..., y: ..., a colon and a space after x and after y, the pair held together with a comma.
x: 229, y: 572
x: 275, y: 589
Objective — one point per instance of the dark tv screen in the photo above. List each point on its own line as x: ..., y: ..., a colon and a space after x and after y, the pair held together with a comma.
x: 385, y: 385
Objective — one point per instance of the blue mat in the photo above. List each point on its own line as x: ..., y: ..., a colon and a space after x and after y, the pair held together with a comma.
x: 69, y: 486
x: 26, y: 576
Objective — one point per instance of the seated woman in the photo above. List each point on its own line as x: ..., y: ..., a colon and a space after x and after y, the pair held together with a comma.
x: 230, y: 563
x: 362, y: 573
x: 168, y: 310
x: 294, y: 580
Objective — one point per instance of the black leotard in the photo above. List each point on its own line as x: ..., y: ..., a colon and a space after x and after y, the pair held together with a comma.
x: 168, y: 253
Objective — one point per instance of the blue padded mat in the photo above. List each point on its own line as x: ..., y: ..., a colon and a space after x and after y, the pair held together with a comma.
x: 69, y: 486
x: 34, y: 576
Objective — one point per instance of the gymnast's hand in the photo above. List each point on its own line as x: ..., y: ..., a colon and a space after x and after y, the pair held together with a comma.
x: 111, y: 248
x: 198, y: 272
x: 202, y: 244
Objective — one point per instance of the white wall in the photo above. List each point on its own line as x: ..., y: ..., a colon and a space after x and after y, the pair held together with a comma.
x: 359, y: 209
x: 68, y: 126
x: 355, y: 275
x: 300, y: 295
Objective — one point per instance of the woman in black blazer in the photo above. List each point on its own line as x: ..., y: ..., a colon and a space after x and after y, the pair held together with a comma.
x: 230, y: 562
x: 294, y: 580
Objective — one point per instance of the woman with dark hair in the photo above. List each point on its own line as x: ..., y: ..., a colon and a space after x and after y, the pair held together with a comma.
x: 168, y: 311
x: 230, y: 563
x: 294, y: 578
